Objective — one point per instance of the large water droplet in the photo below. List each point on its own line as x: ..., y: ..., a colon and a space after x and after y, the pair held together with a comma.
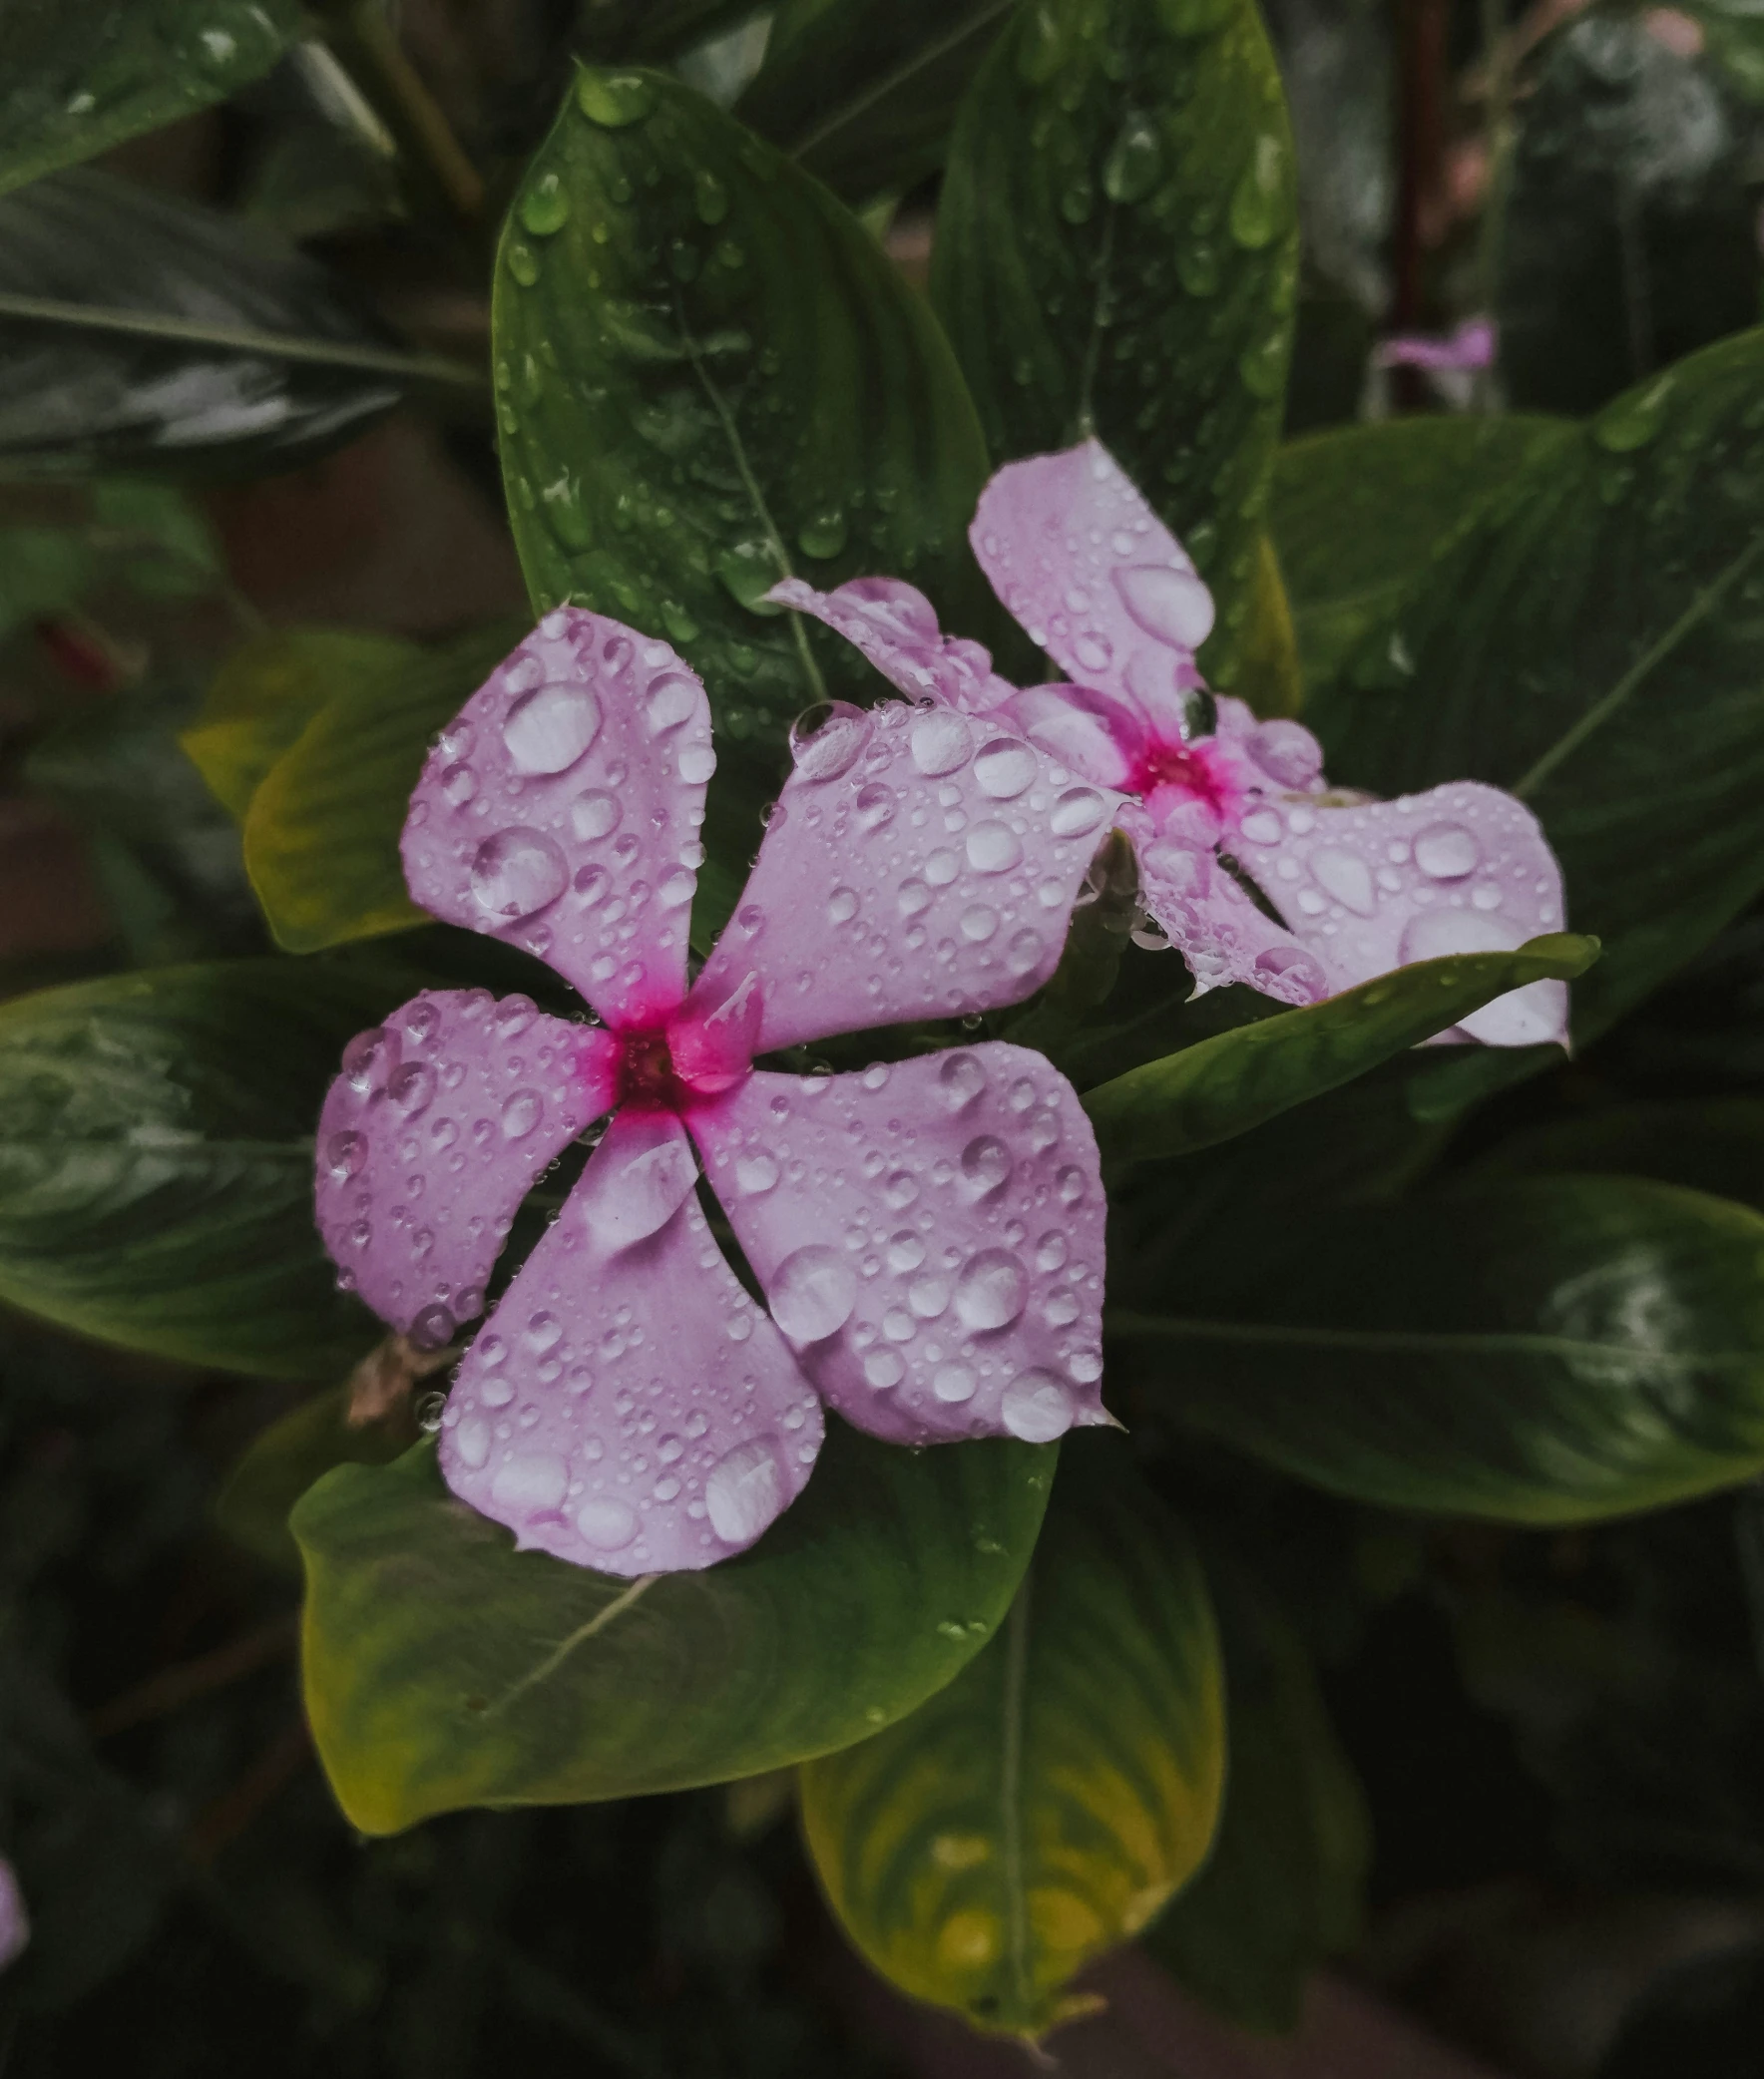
x: 369, y: 1057
x: 1078, y: 812
x: 517, y: 872
x: 606, y: 1524
x: 544, y: 207
x: 875, y: 805
x: 1036, y: 1408
x: 1347, y: 878
x: 986, y: 1163
x: 411, y: 1088
x: 825, y: 739
x: 614, y: 99
x: 521, y: 1115
x: 1447, y: 852
x: 755, y: 1173
x: 1172, y: 607
x: 548, y: 729
x: 813, y: 1293
x: 993, y: 847
x: 668, y: 702
x: 345, y: 1154
x: 960, y: 1079
x: 532, y: 1485
x: 1006, y: 768
x: 1287, y: 752
x: 593, y: 815
x: 991, y: 1291
x: 941, y: 742
x: 745, y: 1491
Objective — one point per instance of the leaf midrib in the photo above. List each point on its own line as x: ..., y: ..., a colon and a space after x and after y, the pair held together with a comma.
x: 862, y: 102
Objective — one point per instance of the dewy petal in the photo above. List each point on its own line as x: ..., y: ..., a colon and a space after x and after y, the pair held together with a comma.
x: 1096, y: 736
x: 1377, y: 885
x: 434, y: 1133
x: 627, y: 1406
x: 14, y: 1922
x: 929, y: 1236
x: 927, y: 872
x: 895, y: 626
x: 561, y: 812
x: 1093, y: 575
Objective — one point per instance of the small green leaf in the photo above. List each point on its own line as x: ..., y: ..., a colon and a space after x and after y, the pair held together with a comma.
x: 1224, y: 1085
x: 1116, y: 252
x: 156, y: 1161
x: 1546, y: 1351
x: 316, y: 738
x: 1042, y: 1808
x: 444, y: 1669
x: 863, y: 92
x: 1283, y: 1885
x: 288, y: 1458
x: 82, y: 75
x: 1358, y: 511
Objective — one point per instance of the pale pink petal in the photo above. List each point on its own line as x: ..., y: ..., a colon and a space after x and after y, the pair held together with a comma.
x: 1094, y: 736
x: 434, y: 1133
x: 1468, y: 347
x: 930, y: 873
x: 561, y: 812
x: 1377, y: 885
x: 1278, y: 756
x: 929, y: 1236
x: 895, y: 626
x: 14, y: 1922
x: 1093, y: 575
x: 627, y: 1406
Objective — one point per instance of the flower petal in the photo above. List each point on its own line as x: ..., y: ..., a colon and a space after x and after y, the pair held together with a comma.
x: 561, y: 812
x: 929, y: 1236
x: 627, y: 1406
x: 929, y: 873
x: 1211, y: 922
x: 1099, y: 737
x: 434, y: 1133
x: 1093, y: 575
x: 895, y: 626
x: 1377, y: 885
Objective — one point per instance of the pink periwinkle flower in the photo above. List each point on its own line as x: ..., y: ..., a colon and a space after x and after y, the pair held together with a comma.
x: 928, y: 1233
x: 1350, y: 886
x: 1462, y: 351
x: 14, y: 1922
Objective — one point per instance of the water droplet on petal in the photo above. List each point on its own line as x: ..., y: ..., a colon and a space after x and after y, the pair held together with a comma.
x: 459, y: 783
x: 532, y: 1485
x: 1346, y: 877
x: 813, y: 1293
x: 1447, y: 852
x: 606, y: 1524
x: 875, y: 805
x: 745, y: 1491
x: 993, y: 847
x: 1076, y: 813
x: 521, y: 1115
x: 954, y: 1383
x: 1036, y: 1408
x: 369, y: 1057
x: 841, y: 905
x: 593, y: 815
x: 993, y: 1289
x: 696, y: 764
x: 1172, y: 607
x: 1006, y: 768
x: 546, y: 730
x: 986, y: 1163
x: 1262, y: 826
x: 755, y: 1173
x: 825, y: 739
x: 668, y: 702
x: 960, y: 1079
x: 883, y: 1369
x: 517, y: 872
x: 941, y: 742
x: 345, y: 1154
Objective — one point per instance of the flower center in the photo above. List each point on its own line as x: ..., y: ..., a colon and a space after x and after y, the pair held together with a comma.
x: 1192, y: 771
x: 647, y: 1080
x: 691, y: 1056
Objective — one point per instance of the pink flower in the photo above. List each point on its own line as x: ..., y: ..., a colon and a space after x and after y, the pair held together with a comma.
x: 928, y: 1235
x: 1464, y: 349
x: 15, y: 1924
x: 1349, y: 886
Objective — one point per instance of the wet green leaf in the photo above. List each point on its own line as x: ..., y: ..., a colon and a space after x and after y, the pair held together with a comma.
x: 444, y: 1669
x: 1224, y: 1085
x: 156, y: 1161
x: 286, y: 1458
x: 1116, y: 251
x: 1542, y: 1350
x: 79, y: 76
x: 1042, y: 1808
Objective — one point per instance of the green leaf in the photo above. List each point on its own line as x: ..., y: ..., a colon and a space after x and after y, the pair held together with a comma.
x: 1116, y: 251
x: 863, y: 92
x: 712, y: 376
x: 652, y: 30
x: 82, y: 75
x: 1594, y: 643
x: 286, y: 1458
x: 444, y: 1669
x: 316, y: 738
x: 1712, y: 1144
x: 156, y: 1161
x: 1224, y: 1085
x: 1043, y: 1807
x: 1546, y: 1351
x: 1282, y: 1887
x: 1358, y: 512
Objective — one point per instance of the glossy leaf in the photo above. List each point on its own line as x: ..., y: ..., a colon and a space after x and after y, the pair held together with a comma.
x: 1116, y: 252
x: 1236, y: 1080
x: 863, y: 92
x: 138, y: 331
x: 1595, y: 642
x: 1546, y: 1351
x: 1358, y: 512
x: 445, y: 1669
x: 79, y: 76
x: 316, y: 738
x: 156, y: 1161
x: 1282, y: 1887
x: 1043, y: 1807
x: 712, y: 376
x: 286, y: 1460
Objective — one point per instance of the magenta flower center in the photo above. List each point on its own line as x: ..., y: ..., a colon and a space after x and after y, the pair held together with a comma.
x: 1192, y: 772
x: 647, y: 1079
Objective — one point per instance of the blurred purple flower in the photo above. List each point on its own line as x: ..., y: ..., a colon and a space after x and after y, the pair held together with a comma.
x: 15, y: 1924
x: 1462, y: 351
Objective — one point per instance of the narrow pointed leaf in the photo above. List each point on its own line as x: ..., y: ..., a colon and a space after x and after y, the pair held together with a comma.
x: 1546, y: 1351
x: 1043, y: 1807
x: 445, y: 1669
x: 1235, y: 1080
x: 79, y: 76
x: 1116, y: 252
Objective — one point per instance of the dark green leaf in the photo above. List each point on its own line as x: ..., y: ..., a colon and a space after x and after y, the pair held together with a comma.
x: 316, y: 737
x: 1042, y: 1808
x: 442, y: 1668
x: 863, y: 92
x: 1358, y: 512
x: 1546, y: 1351
x: 79, y: 76
x: 1116, y: 252
x: 652, y: 30
x: 156, y: 1161
x: 1282, y: 1887
x: 712, y: 376
x: 142, y: 333
x: 1714, y: 1144
x: 288, y: 1457
x: 1224, y: 1085
x: 1595, y: 642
